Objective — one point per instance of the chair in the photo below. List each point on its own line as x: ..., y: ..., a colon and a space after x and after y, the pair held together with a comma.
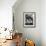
x: 18, y: 39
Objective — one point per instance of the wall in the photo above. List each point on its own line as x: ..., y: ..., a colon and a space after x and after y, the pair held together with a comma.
x: 6, y: 18
x: 43, y: 22
x: 6, y: 13
x: 28, y: 6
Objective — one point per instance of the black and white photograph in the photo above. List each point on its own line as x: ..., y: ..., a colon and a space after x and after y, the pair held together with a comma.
x: 29, y: 19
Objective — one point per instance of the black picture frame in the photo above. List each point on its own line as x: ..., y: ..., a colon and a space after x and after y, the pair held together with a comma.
x: 29, y: 19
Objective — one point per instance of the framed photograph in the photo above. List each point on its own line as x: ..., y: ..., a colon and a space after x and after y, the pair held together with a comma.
x: 29, y: 19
